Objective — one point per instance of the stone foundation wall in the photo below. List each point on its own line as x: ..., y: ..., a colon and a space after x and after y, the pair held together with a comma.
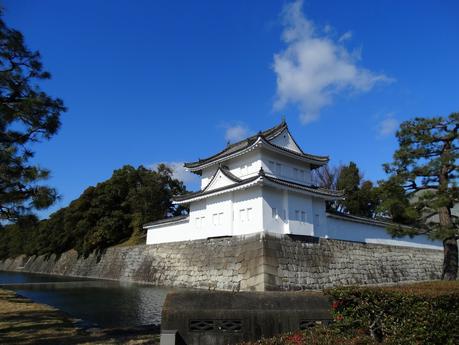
x: 320, y: 263
x: 256, y: 262
x: 223, y: 264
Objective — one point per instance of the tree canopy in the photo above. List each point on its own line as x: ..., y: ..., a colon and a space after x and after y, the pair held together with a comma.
x: 27, y: 115
x: 422, y: 186
x: 103, y: 216
x: 361, y: 197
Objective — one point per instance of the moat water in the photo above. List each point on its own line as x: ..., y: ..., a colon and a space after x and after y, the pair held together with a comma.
x: 96, y: 302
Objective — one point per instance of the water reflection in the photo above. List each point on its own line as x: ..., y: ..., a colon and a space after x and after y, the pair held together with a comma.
x: 20, y: 278
x: 105, y: 303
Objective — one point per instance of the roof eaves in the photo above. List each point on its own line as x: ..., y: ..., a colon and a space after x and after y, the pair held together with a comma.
x: 366, y: 220
x: 166, y: 221
x: 189, y: 196
x: 309, y: 188
x: 319, y: 159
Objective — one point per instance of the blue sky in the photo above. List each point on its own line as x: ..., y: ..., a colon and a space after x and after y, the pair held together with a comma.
x: 172, y: 81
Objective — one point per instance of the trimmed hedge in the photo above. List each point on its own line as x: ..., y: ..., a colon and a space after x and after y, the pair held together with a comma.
x: 424, y: 313
x: 318, y: 335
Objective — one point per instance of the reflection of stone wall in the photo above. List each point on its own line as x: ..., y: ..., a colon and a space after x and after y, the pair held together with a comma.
x: 253, y: 262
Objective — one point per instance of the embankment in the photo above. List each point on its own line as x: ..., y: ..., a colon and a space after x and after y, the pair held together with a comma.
x: 258, y: 262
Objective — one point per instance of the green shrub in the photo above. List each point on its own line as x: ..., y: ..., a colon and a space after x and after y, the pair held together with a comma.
x: 425, y: 313
x: 422, y: 313
x: 316, y: 336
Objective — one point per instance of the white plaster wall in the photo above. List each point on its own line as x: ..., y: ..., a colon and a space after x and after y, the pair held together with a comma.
x: 242, y: 200
x: 246, y: 165
x: 319, y: 217
x: 284, y: 219
x: 288, y: 165
x: 301, y: 203
x: 228, y: 221
x: 173, y: 233
x: 353, y: 231
x: 218, y: 215
x: 272, y: 198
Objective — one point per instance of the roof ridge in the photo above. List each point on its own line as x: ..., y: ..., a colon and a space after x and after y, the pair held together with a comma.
x: 266, y: 136
x: 261, y: 174
x: 310, y: 186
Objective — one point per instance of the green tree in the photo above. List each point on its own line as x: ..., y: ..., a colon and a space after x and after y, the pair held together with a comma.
x: 361, y: 197
x: 105, y: 215
x: 27, y: 115
x: 421, y: 189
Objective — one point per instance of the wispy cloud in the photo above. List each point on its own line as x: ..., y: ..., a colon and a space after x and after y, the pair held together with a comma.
x: 345, y: 37
x: 237, y: 132
x: 315, y: 66
x: 179, y: 172
x: 388, y: 126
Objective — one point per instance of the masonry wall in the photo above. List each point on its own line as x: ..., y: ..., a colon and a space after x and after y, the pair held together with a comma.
x: 258, y: 262
x: 222, y: 264
x: 320, y: 263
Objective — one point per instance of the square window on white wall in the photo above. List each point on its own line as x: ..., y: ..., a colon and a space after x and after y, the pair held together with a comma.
x: 249, y: 214
x: 220, y: 218
x: 214, y: 219
x: 242, y: 215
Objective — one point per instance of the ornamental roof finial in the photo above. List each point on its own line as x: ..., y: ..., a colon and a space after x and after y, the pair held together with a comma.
x: 283, y: 118
x: 261, y: 172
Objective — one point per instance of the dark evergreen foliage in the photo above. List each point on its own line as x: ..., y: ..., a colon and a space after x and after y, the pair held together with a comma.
x: 422, y: 186
x: 103, y: 216
x: 27, y: 115
x: 361, y: 198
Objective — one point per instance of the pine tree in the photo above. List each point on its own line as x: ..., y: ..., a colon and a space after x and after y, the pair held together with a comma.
x: 421, y: 189
x: 27, y: 115
x: 360, y: 196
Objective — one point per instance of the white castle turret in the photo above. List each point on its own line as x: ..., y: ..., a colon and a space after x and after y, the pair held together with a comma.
x: 262, y: 184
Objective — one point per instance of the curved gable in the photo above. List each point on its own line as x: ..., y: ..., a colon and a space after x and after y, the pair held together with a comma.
x: 285, y: 140
x: 221, y: 179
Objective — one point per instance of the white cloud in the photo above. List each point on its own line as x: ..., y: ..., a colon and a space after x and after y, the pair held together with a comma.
x: 388, y: 126
x: 236, y: 132
x: 345, y: 37
x: 179, y: 172
x: 314, y: 67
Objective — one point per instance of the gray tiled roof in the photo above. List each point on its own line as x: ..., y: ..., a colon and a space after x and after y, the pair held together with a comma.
x: 216, y: 190
x: 229, y: 174
x: 361, y: 219
x: 308, y: 188
x: 167, y: 220
x: 268, y: 134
